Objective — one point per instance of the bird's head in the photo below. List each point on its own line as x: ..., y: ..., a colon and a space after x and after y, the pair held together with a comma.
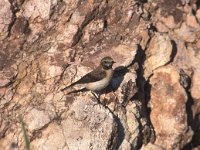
x: 107, y: 62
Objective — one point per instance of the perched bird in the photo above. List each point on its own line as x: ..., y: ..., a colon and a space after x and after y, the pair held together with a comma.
x: 96, y: 80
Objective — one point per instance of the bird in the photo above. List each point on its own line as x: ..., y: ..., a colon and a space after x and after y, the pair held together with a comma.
x: 96, y: 80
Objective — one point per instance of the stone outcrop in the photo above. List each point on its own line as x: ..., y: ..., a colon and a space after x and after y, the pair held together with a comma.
x: 168, y: 109
x: 152, y: 101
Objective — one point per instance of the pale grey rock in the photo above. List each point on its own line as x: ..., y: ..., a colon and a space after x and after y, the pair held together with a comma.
x: 36, y: 8
x: 93, y: 126
x: 5, y: 17
x: 36, y: 119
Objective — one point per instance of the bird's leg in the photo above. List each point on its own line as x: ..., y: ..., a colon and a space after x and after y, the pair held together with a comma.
x: 97, y: 97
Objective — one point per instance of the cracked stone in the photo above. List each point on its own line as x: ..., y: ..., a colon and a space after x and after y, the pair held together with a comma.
x: 7, y: 76
x: 36, y: 8
x: 93, y: 126
x: 133, y: 124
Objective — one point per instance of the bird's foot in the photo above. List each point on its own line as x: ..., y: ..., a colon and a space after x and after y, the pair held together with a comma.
x: 97, y: 97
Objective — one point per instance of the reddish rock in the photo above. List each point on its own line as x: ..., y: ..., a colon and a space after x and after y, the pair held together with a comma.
x: 186, y: 33
x: 122, y: 54
x: 192, y: 22
x: 168, y: 109
x: 169, y: 21
x: 181, y: 59
x: 198, y: 15
x: 49, y: 42
x: 67, y: 34
x: 51, y: 63
x: 161, y: 27
x: 7, y: 76
x: 169, y: 13
x: 94, y: 27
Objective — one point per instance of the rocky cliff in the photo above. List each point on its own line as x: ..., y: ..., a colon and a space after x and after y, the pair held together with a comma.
x: 153, y: 100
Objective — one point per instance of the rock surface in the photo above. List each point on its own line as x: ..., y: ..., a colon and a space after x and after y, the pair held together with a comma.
x: 168, y: 109
x: 5, y: 18
x: 158, y: 53
x: 152, y: 101
x: 195, y: 92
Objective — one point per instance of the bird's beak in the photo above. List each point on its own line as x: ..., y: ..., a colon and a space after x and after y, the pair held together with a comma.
x: 113, y: 62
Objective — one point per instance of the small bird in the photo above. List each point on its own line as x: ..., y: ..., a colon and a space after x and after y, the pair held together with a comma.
x: 96, y: 80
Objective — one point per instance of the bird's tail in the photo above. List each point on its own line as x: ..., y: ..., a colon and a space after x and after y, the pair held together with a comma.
x: 76, y: 91
x: 68, y: 86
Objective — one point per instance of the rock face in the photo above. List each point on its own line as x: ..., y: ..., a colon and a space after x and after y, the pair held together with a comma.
x: 168, y: 109
x: 152, y: 101
x: 5, y: 18
x: 194, y: 91
x: 93, y: 127
x: 158, y: 53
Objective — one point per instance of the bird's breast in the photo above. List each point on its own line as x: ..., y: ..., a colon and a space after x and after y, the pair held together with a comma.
x: 101, y: 84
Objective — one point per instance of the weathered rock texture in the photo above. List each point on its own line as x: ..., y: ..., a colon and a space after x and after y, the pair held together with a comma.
x: 153, y: 100
x: 168, y: 105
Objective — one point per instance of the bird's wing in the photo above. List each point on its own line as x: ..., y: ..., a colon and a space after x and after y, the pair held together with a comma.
x: 93, y: 76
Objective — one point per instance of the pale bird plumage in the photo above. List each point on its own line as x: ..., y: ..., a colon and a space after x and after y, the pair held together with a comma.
x: 98, y: 79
